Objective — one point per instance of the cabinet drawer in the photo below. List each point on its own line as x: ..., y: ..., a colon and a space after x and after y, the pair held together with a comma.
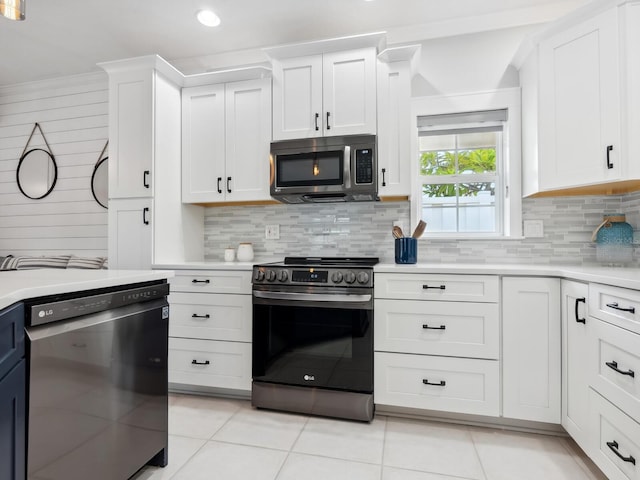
x: 616, y: 440
x: 210, y: 316
x: 617, y: 374
x: 212, y: 281
x: 616, y: 305
x: 210, y: 363
x: 418, y: 286
x: 438, y: 328
x: 447, y: 384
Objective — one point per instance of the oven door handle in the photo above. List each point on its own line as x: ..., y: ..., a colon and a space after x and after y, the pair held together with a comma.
x: 313, y: 297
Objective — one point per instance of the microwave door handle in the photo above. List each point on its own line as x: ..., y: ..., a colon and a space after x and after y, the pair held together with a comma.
x: 312, y: 297
x: 347, y: 166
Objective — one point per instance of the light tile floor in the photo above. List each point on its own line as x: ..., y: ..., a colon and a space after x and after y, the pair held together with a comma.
x: 222, y: 439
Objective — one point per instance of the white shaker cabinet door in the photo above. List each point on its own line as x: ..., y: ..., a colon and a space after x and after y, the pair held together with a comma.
x: 297, y: 97
x: 248, y: 133
x: 130, y: 234
x: 349, y: 92
x: 203, y: 143
x: 575, y: 359
x: 131, y: 96
x: 580, y: 105
x: 531, y: 349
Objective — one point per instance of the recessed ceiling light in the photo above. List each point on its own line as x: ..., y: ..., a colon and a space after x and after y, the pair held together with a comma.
x: 208, y: 18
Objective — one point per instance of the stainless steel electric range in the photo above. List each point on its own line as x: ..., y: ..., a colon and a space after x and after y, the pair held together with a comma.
x: 313, y: 336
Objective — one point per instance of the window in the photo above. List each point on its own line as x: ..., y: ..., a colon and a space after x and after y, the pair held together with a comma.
x: 465, y: 183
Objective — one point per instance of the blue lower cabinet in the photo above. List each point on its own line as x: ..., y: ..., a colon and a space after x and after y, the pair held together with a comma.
x: 13, y: 423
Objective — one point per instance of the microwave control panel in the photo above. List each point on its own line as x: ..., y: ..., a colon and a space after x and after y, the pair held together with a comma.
x: 364, y: 166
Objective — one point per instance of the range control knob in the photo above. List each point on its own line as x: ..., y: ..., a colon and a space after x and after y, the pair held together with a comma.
x: 283, y: 276
x: 270, y: 275
x: 259, y: 276
x: 349, y: 277
x: 363, y: 277
x: 336, y: 277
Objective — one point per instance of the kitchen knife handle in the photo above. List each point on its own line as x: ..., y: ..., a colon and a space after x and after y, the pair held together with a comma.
x: 578, y: 319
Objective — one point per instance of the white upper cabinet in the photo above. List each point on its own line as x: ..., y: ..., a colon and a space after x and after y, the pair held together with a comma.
x: 581, y: 103
x: 225, y: 142
x: 131, y: 133
x: 325, y: 94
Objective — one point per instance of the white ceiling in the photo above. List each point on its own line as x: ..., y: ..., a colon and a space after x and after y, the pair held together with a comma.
x: 64, y: 37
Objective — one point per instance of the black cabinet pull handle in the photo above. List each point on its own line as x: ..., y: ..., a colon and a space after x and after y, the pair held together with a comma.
x: 328, y: 126
x: 219, y: 180
x: 384, y: 183
x: 580, y: 300
x: 427, y: 327
x: 440, y: 287
x: 614, y: 448
x: 195, y: 280
x: 228, y: 184
x: 441, y: 383
x: 316, y: 120
x: 195, y: 315
x: 145, y: 220
x: 195, y: 362
x: 145, y: 179
x: 614, y: 366
x: 609, y: 163
x: 615, y: 306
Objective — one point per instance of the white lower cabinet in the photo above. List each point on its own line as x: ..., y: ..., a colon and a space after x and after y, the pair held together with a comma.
x: 575, y: 359
x: 448, y: 384
x: 210, y: 363
x: 437, y: 342
x: 615, y: 446
x: 531, y: 367
x: 130, y: 233
x: 210, y: 330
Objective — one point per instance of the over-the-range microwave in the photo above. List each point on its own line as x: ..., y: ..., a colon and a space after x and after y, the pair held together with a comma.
x: 325, y: 169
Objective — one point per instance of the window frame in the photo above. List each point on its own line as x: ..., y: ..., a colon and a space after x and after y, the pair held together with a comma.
x: 510, y: 180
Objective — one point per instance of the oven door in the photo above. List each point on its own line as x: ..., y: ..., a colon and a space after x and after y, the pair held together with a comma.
x: 316, y: 338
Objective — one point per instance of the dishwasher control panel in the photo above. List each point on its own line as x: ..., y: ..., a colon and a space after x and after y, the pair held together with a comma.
x: 47, y: 310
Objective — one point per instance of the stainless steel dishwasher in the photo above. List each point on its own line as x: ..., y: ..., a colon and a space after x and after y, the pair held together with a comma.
x: 97, y: 382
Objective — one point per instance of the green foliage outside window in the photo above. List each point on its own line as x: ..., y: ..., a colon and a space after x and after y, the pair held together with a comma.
x: 468, y: 162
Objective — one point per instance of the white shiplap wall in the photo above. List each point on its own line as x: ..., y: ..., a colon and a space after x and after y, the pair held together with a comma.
x: 73, y: 113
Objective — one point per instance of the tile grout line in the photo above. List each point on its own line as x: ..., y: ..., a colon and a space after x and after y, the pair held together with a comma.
x: 384, y: 444
x: 475, y: 449
x: 291, y: 448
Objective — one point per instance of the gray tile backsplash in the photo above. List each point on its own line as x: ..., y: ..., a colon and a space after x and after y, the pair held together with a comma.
x: 364, y: 229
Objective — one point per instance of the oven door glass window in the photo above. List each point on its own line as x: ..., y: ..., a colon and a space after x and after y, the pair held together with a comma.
x: 315, y: 347
x: 310, y: 169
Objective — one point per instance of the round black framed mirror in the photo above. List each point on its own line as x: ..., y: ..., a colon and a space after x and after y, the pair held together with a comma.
x: 37, y: 173
x: 100, y: 182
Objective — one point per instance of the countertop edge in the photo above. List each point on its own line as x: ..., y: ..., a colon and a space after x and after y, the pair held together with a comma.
x: 25, y: 284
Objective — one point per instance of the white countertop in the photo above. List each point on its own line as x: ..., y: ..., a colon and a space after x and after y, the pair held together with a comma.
x: 618, y: 276
x: 16, y: 285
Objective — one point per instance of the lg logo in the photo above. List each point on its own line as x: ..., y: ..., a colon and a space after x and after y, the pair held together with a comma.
x: 309, y: 378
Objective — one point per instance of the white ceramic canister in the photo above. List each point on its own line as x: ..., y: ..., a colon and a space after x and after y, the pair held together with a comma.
x: 229, y: 254
x: 245, y: 252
